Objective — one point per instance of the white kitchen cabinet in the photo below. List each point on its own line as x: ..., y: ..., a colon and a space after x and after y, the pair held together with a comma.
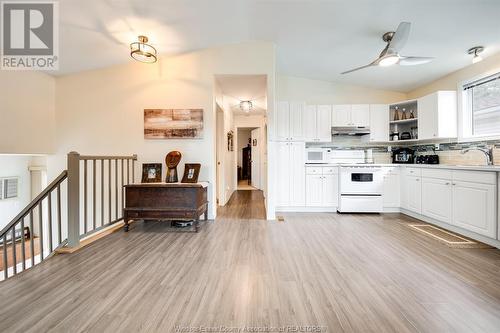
x: 330, y: 190
x: 360, y: 115
x: 322, y: 188
x: 437, y: 199
x: 379, y: 122
x: 314, y: 190
x: 437, y: 115
x: 310, y: 123
x: 391, y: 188
x: 289, y: 121
x: 317, y: 123
x: 413, y: 193
x: 347, y: 115
x: 341, y: 115
x: 290, y: 174
x: 324, y: 123
x: 474, y: 207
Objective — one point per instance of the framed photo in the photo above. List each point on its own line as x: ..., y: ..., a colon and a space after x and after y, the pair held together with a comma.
x: 191, y: 173
x: 151, y: 172
x: 230, y: 141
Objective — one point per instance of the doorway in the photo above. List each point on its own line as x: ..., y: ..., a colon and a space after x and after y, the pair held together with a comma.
x: 248, y: 158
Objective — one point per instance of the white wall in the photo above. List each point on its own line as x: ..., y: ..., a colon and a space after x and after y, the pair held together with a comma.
x: 101, y: 111
x: 450, y: 81
x: 27, y: 112
x: 291, y: 88
x: 15, y: 166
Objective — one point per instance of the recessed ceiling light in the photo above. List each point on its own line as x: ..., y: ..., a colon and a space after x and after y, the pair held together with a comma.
x: 246, y: 106
x: 142, y: 51
x: 475, y: 51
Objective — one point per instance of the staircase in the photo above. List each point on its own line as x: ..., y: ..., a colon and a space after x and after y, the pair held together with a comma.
x: 83, y: 200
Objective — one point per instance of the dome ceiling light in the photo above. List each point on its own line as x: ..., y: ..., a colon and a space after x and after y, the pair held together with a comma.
x: 142, y: 51
x: 475, y: 51
x: 246, y: 106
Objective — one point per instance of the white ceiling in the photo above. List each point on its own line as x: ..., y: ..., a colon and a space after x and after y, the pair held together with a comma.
x: 316, y: 39
x: 237, y: 88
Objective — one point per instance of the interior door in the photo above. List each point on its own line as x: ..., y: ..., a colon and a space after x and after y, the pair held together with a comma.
x: 255, y: 169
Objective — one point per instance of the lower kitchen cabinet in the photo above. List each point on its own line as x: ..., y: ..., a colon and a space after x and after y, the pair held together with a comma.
x: 437, y: 199
x: 391, y: 188
x: 322, y: 188
x: 413, y: 188
x: 474, y: 207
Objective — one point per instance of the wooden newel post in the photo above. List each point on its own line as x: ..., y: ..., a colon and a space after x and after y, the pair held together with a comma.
x: 73, y: 199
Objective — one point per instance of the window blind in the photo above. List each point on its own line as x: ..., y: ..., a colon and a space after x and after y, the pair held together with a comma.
x: 483, y: 99
x: 10, y: 188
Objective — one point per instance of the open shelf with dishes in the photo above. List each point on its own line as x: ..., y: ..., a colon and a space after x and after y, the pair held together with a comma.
x: 403, y: 121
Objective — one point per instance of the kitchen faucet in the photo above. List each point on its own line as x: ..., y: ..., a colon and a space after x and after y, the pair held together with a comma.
x: 488, y: 152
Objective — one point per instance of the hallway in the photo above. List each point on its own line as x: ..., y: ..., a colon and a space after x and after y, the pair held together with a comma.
x: 244, y: 204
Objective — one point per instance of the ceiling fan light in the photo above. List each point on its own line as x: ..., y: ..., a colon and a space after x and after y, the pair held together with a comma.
x: 142, y: 51
x: 389, y: 60
x: 246, y: 106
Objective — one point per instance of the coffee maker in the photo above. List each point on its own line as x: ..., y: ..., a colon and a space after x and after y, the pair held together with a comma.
x: 403, y: 155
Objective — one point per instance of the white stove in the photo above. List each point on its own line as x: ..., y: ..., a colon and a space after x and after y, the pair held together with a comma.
x: 360, y: 189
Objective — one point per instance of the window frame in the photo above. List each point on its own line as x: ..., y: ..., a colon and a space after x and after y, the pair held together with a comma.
x: 3, y: 185
x: 465, y: 116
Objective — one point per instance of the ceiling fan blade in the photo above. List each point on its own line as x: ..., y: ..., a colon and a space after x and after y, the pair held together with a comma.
x: 400, y: 37
x: 412, y: 61
x: 357, y: 68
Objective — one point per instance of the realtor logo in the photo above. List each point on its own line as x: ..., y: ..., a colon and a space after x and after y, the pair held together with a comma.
x: 29, y: 35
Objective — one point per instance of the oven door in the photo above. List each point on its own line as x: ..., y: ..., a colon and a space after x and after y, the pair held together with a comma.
x: 361, y: 180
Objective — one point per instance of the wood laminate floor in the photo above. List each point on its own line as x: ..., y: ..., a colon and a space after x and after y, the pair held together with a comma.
x: 345, y: 273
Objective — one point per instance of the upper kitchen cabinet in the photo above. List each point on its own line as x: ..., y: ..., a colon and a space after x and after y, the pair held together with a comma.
x: 379, y: 122
x: 317, y: 123
x: 437, y: 115
x: 289, y: 120
x: 347, y: 115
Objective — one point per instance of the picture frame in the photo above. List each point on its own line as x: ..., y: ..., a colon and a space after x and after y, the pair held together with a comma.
x: 230, y: 141
x: 191, y: 173
x: 151, y: 173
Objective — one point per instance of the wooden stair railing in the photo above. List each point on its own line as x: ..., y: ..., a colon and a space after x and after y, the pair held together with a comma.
x: 21, y: 249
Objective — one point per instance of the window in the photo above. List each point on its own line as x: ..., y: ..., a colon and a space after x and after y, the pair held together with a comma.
x: 482, y: 106
x: 9, y: 188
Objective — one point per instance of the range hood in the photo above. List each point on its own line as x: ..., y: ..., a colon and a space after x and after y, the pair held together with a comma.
x: 350, y: 130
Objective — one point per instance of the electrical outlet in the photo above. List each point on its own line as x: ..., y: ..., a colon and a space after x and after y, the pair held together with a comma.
x: 389, y: 149
x: 436, y: 146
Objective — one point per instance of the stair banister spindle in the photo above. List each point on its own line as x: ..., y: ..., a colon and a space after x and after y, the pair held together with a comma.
x: 59, y: 230
x: 14, y: 257
x: 23, y: 245
x: 102, y: 192
x: 5, y: 262
x: 116, y: 189
x: 49, y: 217
x: 32, y: 242
x: 93, y: 194
x: 85, y: 210
x: 40, y: 226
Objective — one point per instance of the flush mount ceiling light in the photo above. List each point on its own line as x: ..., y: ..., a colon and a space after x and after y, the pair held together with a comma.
x: 246, y: 106
x: 475, y: 51
x: 142, y: 51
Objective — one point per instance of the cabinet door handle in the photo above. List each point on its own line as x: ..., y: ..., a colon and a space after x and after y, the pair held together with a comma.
x: 447, y: 183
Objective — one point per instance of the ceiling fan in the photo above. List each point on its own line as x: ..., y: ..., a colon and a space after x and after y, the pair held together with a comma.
x: 390, y: 54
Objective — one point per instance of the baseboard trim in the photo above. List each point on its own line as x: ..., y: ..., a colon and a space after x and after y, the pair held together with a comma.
x: 306, y: 209
x: 89, y: 240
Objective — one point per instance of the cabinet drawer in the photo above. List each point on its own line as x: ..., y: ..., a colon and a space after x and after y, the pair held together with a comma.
x: 437, y: 173
x: 330, y: 170
x: 314, y: 170
x: 483, y: 177
x: 391, y: 170
x: 417, y: 172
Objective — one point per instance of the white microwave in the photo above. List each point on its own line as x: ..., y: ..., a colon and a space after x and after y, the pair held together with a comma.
x: 318, y: 155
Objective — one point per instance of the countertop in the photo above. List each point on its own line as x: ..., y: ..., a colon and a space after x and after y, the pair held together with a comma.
x: 493, y: 168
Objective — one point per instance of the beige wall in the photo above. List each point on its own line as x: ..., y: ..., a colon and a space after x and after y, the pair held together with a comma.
x: 323, y: 92
x: 27, y: 112
x: 101, y: 111
x: 450, y: 81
